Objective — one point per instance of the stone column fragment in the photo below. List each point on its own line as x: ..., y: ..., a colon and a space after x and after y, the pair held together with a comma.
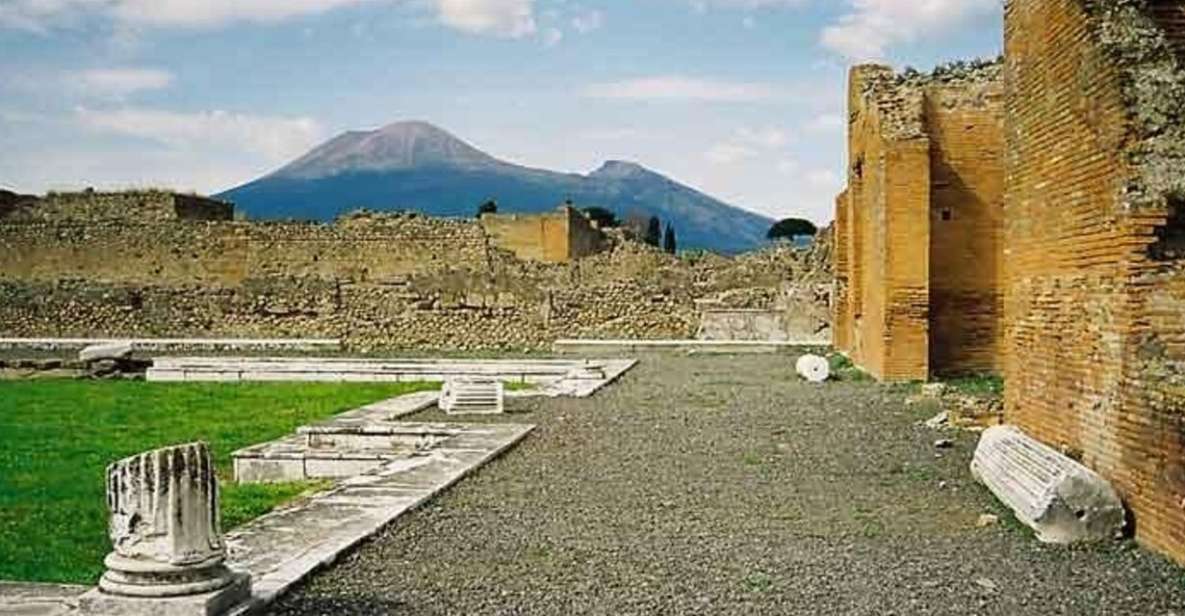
x: 168, y: 554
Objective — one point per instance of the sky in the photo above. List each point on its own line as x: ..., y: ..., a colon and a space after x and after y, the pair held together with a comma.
x: 742, y: 99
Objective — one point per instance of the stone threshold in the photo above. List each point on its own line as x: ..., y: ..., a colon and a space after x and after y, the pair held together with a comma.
x: 283, y: 547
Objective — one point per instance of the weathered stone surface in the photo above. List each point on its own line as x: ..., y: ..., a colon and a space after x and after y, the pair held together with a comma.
x: 29, y: 599
x: 1062, y: 500
x: 813, y: 368
x: 164, y: 525
x: 283, y: 547
x: 472, y: 397
x: 376, y: 281
x: 108, y: 351
x: 214, y: 603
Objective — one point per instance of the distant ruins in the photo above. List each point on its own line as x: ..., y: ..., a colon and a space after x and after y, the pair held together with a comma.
x: 155, y: 264
x: 1073, y: 284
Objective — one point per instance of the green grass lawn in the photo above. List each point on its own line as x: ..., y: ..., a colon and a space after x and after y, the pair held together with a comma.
x: 57, y: 437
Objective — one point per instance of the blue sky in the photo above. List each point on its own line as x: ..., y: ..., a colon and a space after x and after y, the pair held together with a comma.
x: 743, y: 99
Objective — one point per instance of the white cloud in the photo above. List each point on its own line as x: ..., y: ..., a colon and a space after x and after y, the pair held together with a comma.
x: 201, y: 13
x: 40, y: 15
x: 552, y: 37
x: 275, y: 139
x: 588, y: 21
x: 871, y: 27
x: 503, y: 18
x: 769, y: 137
x: 729, y: 153
x: 680, y: 88
x: 822, y: 178
x: 827, y: 123
x: 702, y: 6
x: 119, y: 82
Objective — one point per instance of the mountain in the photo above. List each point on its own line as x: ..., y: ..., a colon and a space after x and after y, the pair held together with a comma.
x: 417, y: 166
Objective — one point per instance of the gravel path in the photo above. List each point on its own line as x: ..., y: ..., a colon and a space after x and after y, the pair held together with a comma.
x: 721, y: 485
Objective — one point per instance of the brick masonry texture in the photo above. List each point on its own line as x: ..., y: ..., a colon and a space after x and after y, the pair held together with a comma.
x: 376, y: 281
x: 1094, y: 277
x: 918, y: 227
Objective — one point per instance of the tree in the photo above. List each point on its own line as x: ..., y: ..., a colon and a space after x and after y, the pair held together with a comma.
x: 604, y: 218
x: 489, y: 207
x: 791, y: 228
x: 668, y: 241
x: 653, y: 231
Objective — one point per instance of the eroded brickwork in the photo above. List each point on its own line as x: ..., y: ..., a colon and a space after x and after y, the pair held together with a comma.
x: 918, y: 226
x: 554, y: 237
x: 1094, y: 279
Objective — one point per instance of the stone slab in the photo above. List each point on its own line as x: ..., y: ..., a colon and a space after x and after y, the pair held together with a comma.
x: 558, y: 377
x: 594, y: 347
x: 283, y: 547
x: 29, y: 599
x: 158, y: 344
x: 217, y: 603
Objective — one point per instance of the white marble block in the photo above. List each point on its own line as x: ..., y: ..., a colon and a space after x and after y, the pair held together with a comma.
x: 168, y: 554
x: 1060, y: 499
x: 472, y: 397
x: 813, y: 368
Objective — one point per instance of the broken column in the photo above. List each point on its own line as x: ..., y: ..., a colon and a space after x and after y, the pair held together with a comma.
x: 1060, y: 499
x: 168, y: 554
x: 813, y: 368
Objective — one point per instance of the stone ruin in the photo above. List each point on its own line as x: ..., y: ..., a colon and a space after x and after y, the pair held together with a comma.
x: 917, y: 231
x: 1027, y: 218
x: 169, y: 556
x: 88, y: 265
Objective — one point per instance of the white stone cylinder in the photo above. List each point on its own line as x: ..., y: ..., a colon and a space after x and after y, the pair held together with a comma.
x: 813, y: 368
x: 164, y: 525
x: 1062, y: 500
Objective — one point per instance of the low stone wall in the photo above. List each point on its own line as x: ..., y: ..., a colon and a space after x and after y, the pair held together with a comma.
x: 382, y: 282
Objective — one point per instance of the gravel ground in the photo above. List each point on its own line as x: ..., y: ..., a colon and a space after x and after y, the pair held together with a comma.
x: 722, y: 485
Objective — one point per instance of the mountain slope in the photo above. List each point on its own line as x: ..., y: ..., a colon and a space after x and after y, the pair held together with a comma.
x: 417, y: 166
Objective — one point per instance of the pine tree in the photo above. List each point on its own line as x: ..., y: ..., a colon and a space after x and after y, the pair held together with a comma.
x: 668, y: 241
x: 654, y: 232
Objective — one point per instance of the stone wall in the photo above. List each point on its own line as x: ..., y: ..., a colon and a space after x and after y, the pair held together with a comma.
x: 917, y: 228
x: 376, y: 281
x: 1094, y: 220
x: 132, y: 206
x: 554, y: 237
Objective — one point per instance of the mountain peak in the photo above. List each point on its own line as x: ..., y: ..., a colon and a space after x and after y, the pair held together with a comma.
x: 620, y: 169
x: 396, y: 146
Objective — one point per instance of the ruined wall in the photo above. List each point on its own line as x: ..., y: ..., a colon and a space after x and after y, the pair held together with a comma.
x: 1094, y: 282
x: 376, y: 281
x: 917, y: 282
x: 553, y: 237
x: 964, y: 118
x: 888, y: 214
x: 358, y: 249
x: 132, y: 206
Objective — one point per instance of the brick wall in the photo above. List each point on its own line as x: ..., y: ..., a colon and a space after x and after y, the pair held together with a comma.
x: 918, y: 225
x: 553, y: 237
x: 965, y: 122
x: 1094, y: 280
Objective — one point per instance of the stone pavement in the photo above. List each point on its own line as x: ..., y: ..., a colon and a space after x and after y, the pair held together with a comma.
x: 723, y: 485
